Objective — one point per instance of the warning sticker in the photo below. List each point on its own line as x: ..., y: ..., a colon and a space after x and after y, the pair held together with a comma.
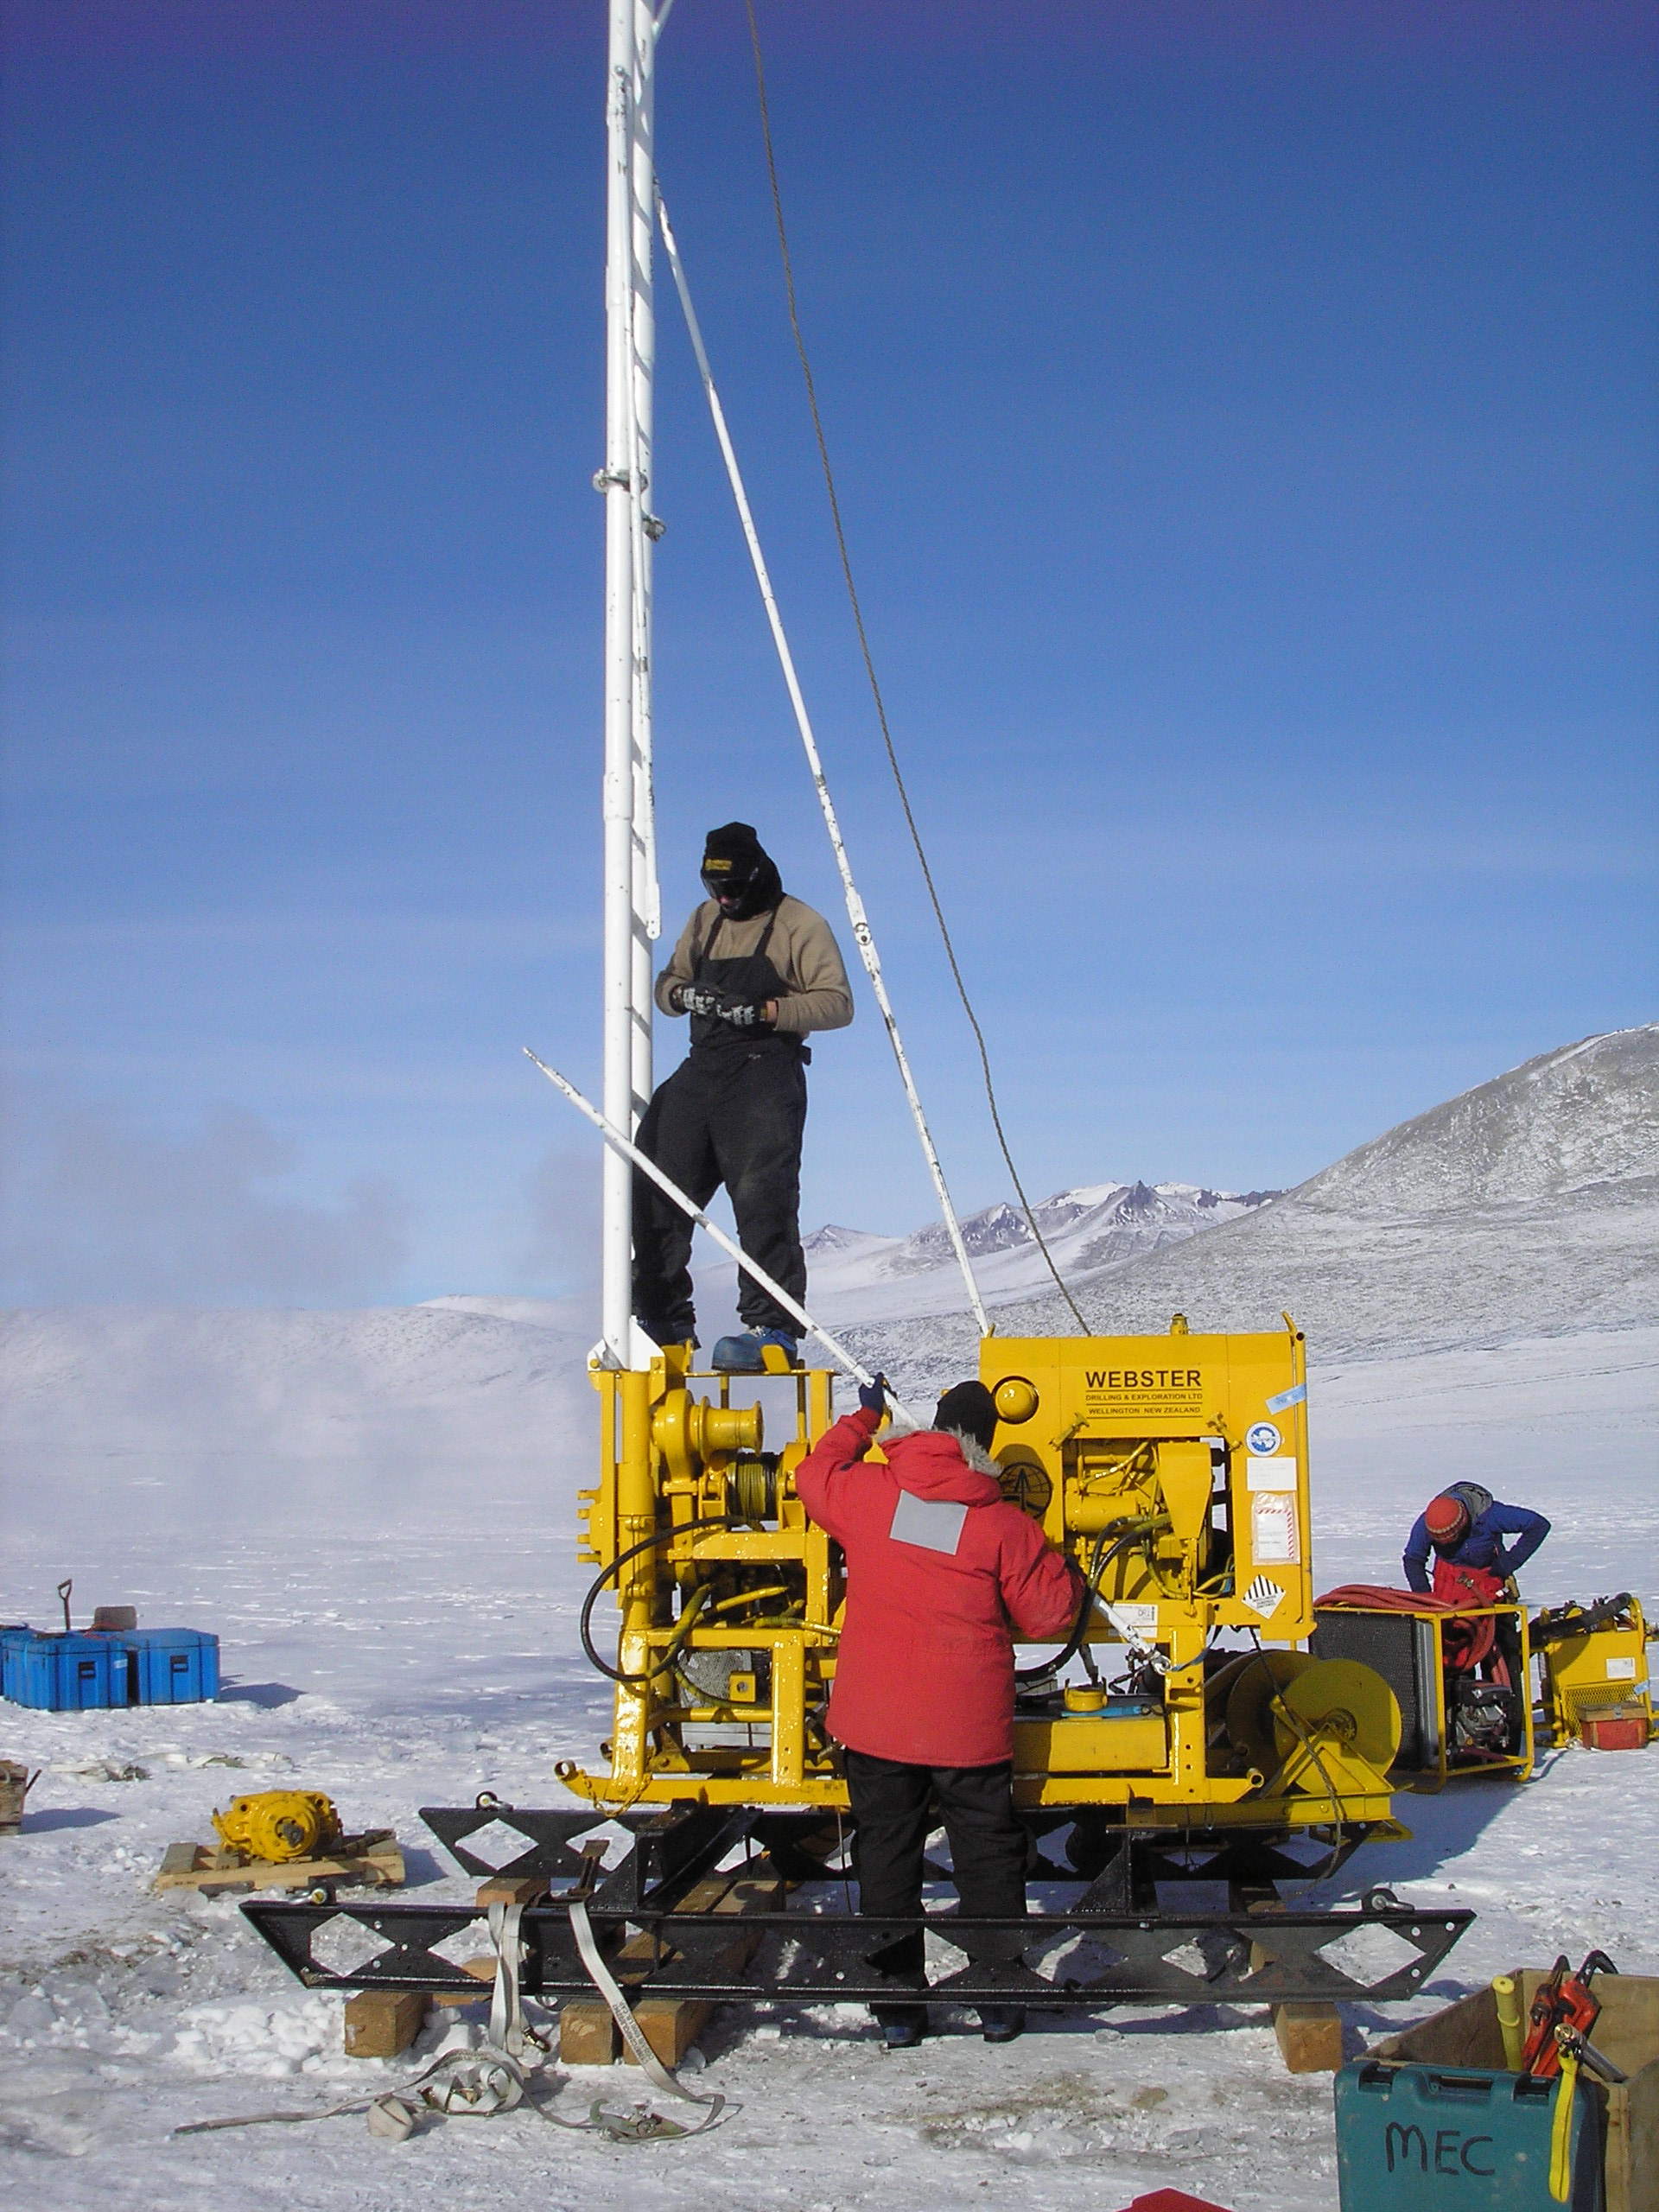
x: 1271, y: 1474
x: 1143, y: 1619
x: 1276, y: 1537
x: 1264, y: 1597
x: 1622, y: 1669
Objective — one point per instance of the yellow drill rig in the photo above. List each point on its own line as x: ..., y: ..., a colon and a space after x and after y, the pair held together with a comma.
x: 1173, y: 1469
x: 1182, y: 1735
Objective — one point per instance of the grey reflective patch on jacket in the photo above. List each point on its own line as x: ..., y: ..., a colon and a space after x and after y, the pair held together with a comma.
x: 934, y: 1524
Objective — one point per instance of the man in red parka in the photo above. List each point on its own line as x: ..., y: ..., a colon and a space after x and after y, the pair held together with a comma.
x: 942, y: 1575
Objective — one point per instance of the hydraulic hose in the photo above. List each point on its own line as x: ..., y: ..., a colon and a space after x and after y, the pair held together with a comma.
x: 1085, y: 1610
x: 649, y: 1544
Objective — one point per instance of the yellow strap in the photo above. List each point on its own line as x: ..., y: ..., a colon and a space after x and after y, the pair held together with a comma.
x: 1560, y: 2131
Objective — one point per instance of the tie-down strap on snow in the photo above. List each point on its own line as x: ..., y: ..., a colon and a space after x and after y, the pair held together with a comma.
x: 480, y: 2084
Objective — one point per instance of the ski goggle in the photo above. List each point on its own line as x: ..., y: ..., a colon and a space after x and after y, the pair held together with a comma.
x: 729, y: 880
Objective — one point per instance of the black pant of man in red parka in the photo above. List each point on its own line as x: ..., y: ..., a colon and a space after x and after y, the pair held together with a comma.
x: 942, y: 1575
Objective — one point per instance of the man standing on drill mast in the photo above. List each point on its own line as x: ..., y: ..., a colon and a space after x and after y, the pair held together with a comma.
x: 941, y: 1574
x: 756, y: 971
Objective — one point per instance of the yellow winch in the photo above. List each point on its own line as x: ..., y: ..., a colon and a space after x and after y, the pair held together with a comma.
x: 279, y: 1825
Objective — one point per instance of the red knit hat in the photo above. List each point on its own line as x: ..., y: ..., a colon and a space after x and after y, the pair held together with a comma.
x: 1447, y: 1518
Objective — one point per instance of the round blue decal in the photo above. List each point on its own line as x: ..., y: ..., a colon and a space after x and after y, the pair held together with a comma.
x: 1263, y: 1438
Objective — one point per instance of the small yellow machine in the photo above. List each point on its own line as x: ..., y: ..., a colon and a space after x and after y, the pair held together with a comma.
x: 1173, y: 1469
x: 280, y: 1825
x: 1596, y: 1686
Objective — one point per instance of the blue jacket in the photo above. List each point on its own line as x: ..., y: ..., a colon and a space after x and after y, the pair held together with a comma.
x: 1483, y: 1546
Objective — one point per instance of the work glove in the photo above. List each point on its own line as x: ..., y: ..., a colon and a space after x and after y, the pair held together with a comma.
x: 694, y: 1000
x: 873, y: 1396
x: 743, y: 1014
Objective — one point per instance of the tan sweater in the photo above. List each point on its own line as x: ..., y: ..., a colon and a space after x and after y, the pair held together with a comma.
x: 817, y: 994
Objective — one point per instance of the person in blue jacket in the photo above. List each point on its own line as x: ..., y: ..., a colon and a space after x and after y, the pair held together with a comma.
x: 1464, y: 1528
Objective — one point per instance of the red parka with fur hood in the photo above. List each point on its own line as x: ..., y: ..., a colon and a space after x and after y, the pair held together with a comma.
x: 942, y: 1575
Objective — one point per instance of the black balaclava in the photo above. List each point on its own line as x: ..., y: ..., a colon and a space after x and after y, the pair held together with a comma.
x: 733, y: 854
x: 968, y: 1410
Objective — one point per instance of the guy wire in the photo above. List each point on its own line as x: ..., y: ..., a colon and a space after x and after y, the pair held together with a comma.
x: 875, y: 688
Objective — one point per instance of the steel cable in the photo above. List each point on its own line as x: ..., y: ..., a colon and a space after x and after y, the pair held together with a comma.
x: 875, y: 688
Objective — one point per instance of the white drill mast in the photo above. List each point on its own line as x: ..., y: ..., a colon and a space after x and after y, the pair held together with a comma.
x: 632, y: 903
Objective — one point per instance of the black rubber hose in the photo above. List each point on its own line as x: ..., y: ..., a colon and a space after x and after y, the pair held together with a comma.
x: 656, y: 1536
x: 1558, y: 1628
x: 1085, y: 1610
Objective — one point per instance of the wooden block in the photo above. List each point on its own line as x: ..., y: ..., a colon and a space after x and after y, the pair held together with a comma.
x: 482, y: 1970
x: 518, y: 1889
x: 178, y: 1858
x: 670, y: 2025
x: 587, y: 2034
x: 380, y: 2023
x: 1310, y: 2037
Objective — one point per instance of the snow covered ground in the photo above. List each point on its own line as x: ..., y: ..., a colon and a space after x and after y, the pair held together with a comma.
x: 423, y: 1647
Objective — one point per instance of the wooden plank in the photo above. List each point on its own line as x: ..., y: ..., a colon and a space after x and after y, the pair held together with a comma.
x: 587, y: 2034
x: 203, y: 1866
x: 482, y: 1969
x: 1465, y: 2034
x: 519, y: 1888
x: 382, y: 2023
x: 672, y: 2024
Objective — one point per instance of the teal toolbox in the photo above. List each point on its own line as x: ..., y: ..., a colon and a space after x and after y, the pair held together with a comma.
x: 1429, y: 2138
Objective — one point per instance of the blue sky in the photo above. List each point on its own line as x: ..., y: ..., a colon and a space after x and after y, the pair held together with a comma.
x: 1246, y: 430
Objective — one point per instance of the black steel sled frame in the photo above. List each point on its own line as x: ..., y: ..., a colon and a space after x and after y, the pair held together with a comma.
x: 1114, y: 1946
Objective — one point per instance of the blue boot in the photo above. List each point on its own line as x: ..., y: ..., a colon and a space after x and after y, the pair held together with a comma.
x: 746, y: 1355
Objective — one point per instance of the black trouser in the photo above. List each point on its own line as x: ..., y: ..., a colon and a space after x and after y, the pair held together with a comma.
x: 891, y: 1805
x: 734, y: 1116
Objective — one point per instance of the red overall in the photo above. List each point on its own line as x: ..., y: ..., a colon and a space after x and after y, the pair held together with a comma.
x: 1466, y: 1642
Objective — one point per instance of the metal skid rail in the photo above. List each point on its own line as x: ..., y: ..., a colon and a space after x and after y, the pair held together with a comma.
x: 826, y: 1957
x: 1086, y: 1957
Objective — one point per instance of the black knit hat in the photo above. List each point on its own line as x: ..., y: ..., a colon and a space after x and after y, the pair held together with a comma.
x: 733, y: 855
x: 968, y: 1410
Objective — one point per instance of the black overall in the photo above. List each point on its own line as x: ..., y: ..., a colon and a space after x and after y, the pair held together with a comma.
x: 733, y: 1112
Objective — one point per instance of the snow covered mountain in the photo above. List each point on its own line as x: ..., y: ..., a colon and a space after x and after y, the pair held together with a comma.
x: 853, y: 1272
x: 1527, y: 1207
